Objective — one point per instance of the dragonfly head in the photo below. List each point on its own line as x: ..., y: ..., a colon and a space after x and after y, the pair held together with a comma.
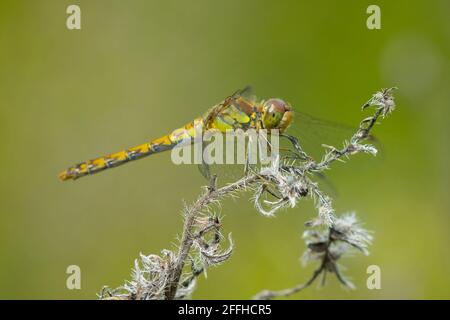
x: 277, y: 114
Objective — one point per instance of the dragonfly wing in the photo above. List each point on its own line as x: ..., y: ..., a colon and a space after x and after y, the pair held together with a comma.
x: 247, y: 93
x: 225, y: 173
x: 228, y: 164
x: 204, y: 167
x: 235, y: 112
x: 312, y: 133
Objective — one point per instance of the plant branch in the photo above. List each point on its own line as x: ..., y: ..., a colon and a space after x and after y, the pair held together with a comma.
x: 287, y: 181
x: 210, y: 195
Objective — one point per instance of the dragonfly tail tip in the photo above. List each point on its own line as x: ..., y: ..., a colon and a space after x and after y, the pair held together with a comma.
x: 63, y: 176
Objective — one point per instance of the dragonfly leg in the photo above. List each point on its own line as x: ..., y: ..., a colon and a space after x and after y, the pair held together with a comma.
x: 290, y: 154
x: 247, y: 163
x: 204, y: 167
x: 205, y: 170
x: 294, y: 141
x: 212, y: 183
x: 247, y: 166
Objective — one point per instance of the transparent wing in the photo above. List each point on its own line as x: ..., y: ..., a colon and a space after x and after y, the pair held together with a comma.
x: 234, y: 110
x: 313, y: 132
x: 236, y: 159
x: 229, y: 173
x: 247, y: 93
x: 225, y: 172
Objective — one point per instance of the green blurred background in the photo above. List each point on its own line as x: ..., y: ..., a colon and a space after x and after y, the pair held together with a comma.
x: 138, y: 69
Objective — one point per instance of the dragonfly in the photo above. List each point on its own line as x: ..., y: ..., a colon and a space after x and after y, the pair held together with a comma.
x: 240, y: 110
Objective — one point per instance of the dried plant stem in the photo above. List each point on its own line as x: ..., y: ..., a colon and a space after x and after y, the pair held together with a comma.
x: 211, y: 194
x: 268, y: 295
x: 166, y: 276
x: 327, y: 264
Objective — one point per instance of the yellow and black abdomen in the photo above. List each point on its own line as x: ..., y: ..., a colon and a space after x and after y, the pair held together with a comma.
x: 182, y: 135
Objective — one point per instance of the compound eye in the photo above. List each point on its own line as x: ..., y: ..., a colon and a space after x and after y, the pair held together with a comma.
x: 276, y: 105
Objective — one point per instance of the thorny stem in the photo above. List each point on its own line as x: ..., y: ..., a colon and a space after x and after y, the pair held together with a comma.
x: 162, y: 277
x: 268, y: 295
x: 211, y: 194
x: 327, y: 264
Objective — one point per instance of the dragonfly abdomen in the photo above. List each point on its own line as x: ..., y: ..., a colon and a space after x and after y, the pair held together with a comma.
x: 106, y: 162
x: 164, y: 143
